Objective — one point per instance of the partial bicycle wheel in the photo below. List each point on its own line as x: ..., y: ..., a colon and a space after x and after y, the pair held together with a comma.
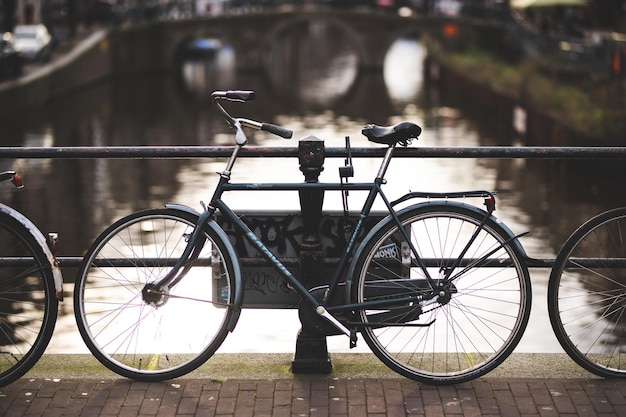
x: 474, y: 319
x: 587, y: 295
x: 145, y: 332
x: 28, y: 304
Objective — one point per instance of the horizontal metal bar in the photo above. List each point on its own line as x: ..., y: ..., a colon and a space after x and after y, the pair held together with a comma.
x: 185, y: 152
x: 75, y: 261
x: 296, y: 186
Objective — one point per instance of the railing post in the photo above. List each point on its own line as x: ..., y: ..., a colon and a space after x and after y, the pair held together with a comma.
x: 311, y: 349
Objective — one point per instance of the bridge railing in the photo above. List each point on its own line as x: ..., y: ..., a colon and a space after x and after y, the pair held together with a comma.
x: 187, y: 152
x: 311, y: 353
x: 184, y: 152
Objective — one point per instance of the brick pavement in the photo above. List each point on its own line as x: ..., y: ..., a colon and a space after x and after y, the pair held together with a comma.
x: 312, y: 396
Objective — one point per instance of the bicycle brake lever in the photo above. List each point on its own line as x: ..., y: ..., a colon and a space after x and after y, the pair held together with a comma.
x: 240, y: 136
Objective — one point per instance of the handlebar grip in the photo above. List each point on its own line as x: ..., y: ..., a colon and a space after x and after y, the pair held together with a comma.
x: 277, y: 130
x: 233, y: 95
x: 239, y: 95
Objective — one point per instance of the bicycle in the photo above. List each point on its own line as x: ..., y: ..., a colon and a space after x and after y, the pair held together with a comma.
x: 31, y: 286
x: 587, y: 294
x: 439, y: 289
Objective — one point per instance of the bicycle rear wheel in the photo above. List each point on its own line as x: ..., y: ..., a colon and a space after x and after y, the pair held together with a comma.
x: 473, y: 322
x: 587, y: 295
x: 170, y: 331
x: 28, y: 304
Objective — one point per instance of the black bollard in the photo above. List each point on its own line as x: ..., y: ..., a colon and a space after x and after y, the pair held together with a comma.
x: 311, y: 349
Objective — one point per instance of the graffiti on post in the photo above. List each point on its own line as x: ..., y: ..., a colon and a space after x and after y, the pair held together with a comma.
x: 282, y: 233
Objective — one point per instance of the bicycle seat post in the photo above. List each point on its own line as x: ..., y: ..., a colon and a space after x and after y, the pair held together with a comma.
x: 385, y: 162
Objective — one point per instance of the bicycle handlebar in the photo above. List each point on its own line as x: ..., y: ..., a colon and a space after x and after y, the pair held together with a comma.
x: 233, y: 95
x: 277, y: 130
x: 243, y: 96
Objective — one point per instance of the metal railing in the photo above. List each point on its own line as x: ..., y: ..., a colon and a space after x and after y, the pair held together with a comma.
x: 183, y: 152
x: 186, y: 152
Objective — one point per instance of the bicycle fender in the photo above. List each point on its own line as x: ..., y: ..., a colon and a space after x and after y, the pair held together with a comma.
x: 43, y: 244
x: 514, y: 241
x: 238, y: 301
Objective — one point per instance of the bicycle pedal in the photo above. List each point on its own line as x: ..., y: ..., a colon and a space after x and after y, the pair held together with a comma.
x: 353, y: 338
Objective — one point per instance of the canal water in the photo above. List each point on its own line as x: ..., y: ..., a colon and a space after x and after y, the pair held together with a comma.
x: 321, y: 94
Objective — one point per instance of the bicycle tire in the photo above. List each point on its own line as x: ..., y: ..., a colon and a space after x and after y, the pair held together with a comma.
x: 28, y: 303
x: 587, y: 294
x: 463, y: 334
x: 166, y: 336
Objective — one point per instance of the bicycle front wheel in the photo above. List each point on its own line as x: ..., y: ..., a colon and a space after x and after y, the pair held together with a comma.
x: 466, y: 326
x: 142, y: 331
x: 28, y: 304
x: 587, y: 295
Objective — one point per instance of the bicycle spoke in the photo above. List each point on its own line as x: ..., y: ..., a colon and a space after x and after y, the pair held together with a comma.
x: 587, y: 297
x: 147, y: 332
x: 28, y: 306
x: 474, y: 317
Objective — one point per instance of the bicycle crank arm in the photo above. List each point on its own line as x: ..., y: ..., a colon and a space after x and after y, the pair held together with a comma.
x: 320, y: 310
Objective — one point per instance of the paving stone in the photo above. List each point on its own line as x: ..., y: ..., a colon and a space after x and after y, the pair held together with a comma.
x: 312, y: 397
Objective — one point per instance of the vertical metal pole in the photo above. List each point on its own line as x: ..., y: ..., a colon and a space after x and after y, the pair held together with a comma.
x: 311, y: 349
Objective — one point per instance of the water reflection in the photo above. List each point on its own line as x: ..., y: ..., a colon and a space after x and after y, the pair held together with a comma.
x: 79, y: 198
x: 313, y: 63
x: 203, y: 70
x: 403, y: 72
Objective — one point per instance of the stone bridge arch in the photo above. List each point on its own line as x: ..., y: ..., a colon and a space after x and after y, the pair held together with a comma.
x: 352, y: 36
x: 251, y: 35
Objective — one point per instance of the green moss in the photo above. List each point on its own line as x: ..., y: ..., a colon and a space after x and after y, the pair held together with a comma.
x: 594, y: 109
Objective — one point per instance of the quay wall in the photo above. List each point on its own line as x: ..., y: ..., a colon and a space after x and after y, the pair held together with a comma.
x: 102, y: 55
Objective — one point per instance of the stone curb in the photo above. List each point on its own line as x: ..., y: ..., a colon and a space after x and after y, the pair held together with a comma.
x: 223, y: 366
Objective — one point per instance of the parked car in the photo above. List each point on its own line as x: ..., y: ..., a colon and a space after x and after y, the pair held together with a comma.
x: 34, y: 42
x: 10, y: 58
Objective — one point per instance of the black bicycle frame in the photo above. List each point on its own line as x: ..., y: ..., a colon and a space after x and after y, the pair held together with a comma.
x: 374, y: 190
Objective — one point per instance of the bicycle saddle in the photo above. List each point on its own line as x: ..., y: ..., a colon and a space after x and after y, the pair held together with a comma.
x: 401, y: 133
